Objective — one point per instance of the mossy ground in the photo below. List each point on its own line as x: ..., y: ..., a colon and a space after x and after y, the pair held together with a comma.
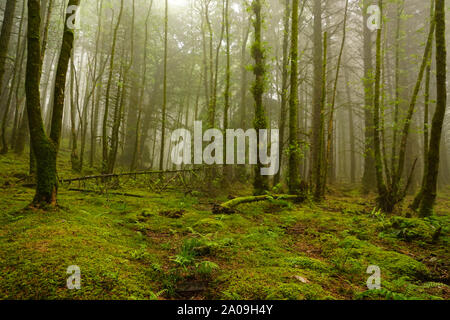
x: 133, y: 248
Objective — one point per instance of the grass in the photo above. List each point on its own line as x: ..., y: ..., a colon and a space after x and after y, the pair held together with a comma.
x: 133, y: 248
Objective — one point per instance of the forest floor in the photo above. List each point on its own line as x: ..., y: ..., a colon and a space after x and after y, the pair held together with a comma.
x: 170, y: 246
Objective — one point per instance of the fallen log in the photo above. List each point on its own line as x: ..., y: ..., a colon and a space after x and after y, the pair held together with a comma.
x: 228, y: 207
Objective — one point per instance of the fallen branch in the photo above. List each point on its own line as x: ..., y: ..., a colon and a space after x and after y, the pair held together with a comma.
x: 113, y: 175
x: 113, y: 193
x: 228, y: 207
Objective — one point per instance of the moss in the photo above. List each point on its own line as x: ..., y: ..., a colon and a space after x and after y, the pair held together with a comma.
x: 125, y: 249
x: 208, y: 225
x: 307, y: 263
x: 411, y: 229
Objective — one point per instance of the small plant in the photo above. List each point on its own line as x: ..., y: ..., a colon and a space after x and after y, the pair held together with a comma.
x: 139, y: 255
x: 155, y: 296
x: 183, y: 260
x: 206, y: 267
x: 157, y: 267
x: 378, y: 214
x: 381, y: 293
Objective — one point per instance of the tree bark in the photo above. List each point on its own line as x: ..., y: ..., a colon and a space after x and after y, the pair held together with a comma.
x: 429, y: 191
x: 5, y: 36
x: 284, y: 87
x: 369, y: 176
x: 260, y: 183
x: 294, y: 145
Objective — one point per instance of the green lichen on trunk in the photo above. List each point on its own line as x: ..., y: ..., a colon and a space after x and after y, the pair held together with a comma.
x: 260, y: 183
x: 294, y: 146
x: 43, y: 148
x: 429, y: 190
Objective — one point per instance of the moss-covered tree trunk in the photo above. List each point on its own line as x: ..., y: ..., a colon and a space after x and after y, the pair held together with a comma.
x: 316, y: 139
x: 398, y: 171
x: 294, y: 147
x: 136, y: 147
x: 382, y: 189
x: 369, y: 177
x: 390, y: 192
x: 320, y: 166
x: 108, y: 92
x: 164, y: 105
x: 227, y: 94
x: 45, y: 28
x: 60, y: 78
x: 260, y: 183
x: 328, y: 151
x: 122, y: 93
x: 429, y: 190
x: 284, y: 87
x: 5, y: 36
x: 426, y: 140
x: 45, y: 149
x: 73, y: 112
x: 15, y: 79
x: 96, y: 91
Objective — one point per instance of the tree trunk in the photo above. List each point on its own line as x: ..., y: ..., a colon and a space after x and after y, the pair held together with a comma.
x: 369, y: 176
x: 227, y: 169
x: 284, y: 88
x: 44, y: 149
x: 260, y: 183
x: 5, y: 36
x: 429, y: 190
x: 294, y: 146
x: 164, y: 105
x: 17, y: 73
x: 108, y: 92
x: 328, y: 152
x: 316, y: 142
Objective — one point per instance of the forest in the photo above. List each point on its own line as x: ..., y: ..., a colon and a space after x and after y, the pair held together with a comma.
x: 224, y: 150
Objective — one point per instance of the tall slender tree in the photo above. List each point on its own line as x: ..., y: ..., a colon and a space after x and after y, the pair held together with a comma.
x: 369, y: 176
x: 317, y: 139
x: 164, y: 105
x: 429, y: 189
x: 105, y: 143
x: 5, y: 35
x: 294, y: 146
x: 284, y: 86
x: 45, y: 148
x: 260, y: 183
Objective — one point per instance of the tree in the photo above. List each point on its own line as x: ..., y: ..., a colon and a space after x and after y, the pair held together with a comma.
x: 320, y: 166
x: 369, y: 177
x: 5, y: 35
x: 136, y: 148
x: 20, y: 53
x: 164, y: 105
x: 317, y: 138
x: 45, y: 148
x: 118, y: 111
x: 390, y: 192
x: 260, y: 183
x: 226, y: 111
x: 294, y: 147
x: 328, y: 152
x: 108, y: 92
x: 284, y: 86
x: 429, y: 189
